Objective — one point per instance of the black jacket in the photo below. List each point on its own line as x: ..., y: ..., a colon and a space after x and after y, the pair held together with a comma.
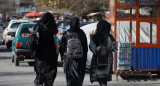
x: 74, y: 68
x: 103, y: 28
x: 83, y: 39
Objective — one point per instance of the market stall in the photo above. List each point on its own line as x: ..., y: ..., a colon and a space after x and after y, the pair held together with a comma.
x: 136, y: 29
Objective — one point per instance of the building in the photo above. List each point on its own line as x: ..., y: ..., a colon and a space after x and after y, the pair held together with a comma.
x: 7, y: 7
x: 24, y: 6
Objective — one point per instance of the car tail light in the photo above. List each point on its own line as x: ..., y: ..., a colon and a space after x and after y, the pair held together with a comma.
x: 37, y: 34
x: 11, y: 34
x: 21, y: 56
x: 59, y: 34
x: 56, y: 44
x: 19, y: 44
x: 8, y: 33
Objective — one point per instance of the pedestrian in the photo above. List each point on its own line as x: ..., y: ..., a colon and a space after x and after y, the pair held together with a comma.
x: 46, y: 56
x: 74, y: 48
x: 101, y: 44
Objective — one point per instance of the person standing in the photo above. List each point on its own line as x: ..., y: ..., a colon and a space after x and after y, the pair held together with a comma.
x: 101, y: 44
x: 74, y: 48
x: 46, y: 56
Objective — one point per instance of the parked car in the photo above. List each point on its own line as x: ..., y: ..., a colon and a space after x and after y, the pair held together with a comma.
x: 88, y: 29
x: 9, y: 32
x: 14, y: 17
x: 81, y: 24
x: 61, y: 28
x: 84, y: 23
x: 20, y: 50
x: 34, y: 21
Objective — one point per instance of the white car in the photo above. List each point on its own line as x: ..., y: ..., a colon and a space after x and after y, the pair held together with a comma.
x: 9, y: 32
x: 88, y: 29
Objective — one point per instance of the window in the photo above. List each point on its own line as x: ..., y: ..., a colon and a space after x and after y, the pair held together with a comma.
x: 27, y: 30
x: 148, y: 32
x: 126, y: 31
x: 15, y: 25
x: 126, y: 2
x: 148, y: 2
x: 148, y: 12
x: 148, y: 8
x: 126, y: 12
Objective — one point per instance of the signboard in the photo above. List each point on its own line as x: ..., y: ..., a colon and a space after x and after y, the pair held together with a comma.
x: 20, y: 10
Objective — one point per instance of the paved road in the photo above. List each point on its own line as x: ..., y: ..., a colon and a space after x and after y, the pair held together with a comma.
x: 24, y: 74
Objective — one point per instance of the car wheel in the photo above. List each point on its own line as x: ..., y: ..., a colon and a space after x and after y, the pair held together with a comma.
x: 16, y: 61
x: 13, y: 59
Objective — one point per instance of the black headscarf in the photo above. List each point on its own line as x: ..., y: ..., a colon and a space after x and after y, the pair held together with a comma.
x: 103, y: 27
x: 48, y: 23
x: 74, y: 24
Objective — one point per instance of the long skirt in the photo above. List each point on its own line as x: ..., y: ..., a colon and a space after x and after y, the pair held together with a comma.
x: 45, y: 73
x: 74, y: 74
x: 102, y: 75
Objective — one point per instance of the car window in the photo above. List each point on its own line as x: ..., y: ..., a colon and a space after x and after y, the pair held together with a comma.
x: 27, y: 30
x: 60, y: 25
x: 17, y: 30
x: 15, y: 25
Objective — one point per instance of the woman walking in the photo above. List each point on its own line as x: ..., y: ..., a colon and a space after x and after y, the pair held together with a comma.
x: 101, y: 46
x: 46, y: 57
x: 74, y: 48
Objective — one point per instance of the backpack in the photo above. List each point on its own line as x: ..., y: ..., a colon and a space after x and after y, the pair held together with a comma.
x: 32, y: 42
x: 74, y: 47
x: 103, y: 51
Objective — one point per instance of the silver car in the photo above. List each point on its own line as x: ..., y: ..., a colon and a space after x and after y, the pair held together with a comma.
x: 9, y: 32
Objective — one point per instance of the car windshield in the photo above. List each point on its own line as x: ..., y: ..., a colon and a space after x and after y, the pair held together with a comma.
x: 27, y: 30
x: 15, y: 25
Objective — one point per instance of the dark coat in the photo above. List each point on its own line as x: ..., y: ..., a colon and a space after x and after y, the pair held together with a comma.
x: 103, y: 28
x: 46, y: 57
x: 74, y: 68
x: 46, y: 50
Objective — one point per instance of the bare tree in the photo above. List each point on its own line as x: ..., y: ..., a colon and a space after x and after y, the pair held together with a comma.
x: 5, y: 6
x: 80, y: 7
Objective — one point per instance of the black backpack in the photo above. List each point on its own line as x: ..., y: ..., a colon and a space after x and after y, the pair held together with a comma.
x: 103, y: 51
x: 32, y: 42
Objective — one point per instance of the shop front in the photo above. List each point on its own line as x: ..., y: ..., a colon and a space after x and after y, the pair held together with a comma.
x: 137, y: 22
